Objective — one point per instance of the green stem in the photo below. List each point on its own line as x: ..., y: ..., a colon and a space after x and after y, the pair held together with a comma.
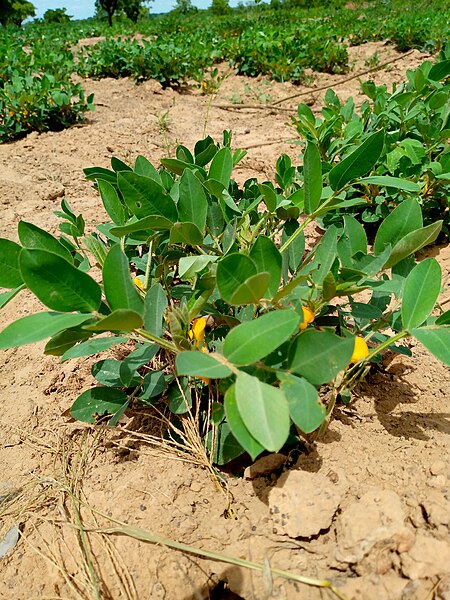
x: 258, y: 227
x: 157, y: 340
x: 149, y: 264
x: 386, y: 344
x: 319, y: 210
x: 296, y: 233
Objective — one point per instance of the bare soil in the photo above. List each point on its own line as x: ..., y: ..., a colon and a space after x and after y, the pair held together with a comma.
x: 368, y: 506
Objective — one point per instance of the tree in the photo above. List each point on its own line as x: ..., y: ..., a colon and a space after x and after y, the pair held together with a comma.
x: 183, y: 7
x: 133, y: 9
x: 15, y: 11
x: 220, y: 7
x: 57, y: 15
x: 109, y: 6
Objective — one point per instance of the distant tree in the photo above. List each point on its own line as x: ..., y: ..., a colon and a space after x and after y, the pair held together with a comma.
x: 15, y: 11
x: 109, y: 6
x: 133, y: 9
x: 220, y: 7
x: 182, y: 7
x: 56, y: 15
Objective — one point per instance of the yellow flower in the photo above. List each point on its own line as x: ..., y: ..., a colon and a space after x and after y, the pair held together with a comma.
x: 197, y: 331
x: 138, y: 283
x: 308, y: 317
x: 360, y: 351
x: 11, y: 113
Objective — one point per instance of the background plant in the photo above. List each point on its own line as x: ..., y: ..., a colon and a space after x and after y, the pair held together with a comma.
x: 415, y: 117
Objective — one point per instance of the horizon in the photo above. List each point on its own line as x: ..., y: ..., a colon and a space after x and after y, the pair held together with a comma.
x: 84, y: 9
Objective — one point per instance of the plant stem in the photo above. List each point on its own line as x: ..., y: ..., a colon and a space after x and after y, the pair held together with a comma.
x: 149, y: 264
x: 296, y: 233
x: 157, y: 340
x: 386, y: 344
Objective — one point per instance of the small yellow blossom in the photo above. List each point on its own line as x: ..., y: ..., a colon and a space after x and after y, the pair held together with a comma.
x: 360, y: 351
x: 138, y: 283
x: 197, y: 331
x: 308, y: 317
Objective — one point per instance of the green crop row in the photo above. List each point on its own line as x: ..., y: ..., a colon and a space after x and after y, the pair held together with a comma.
x: 37, y: 62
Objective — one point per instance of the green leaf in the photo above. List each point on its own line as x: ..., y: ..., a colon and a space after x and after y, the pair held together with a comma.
x: 355, y: 234
x: 10, y: 276
x: 237, y: 426
x: 189, y: 266
x: 193, y: 204
x: 264, y: 411
x: 186, y: 233
x: 252, y: 290
x: 155, y: 304
x: 393, y: 182
x: 406, y: 217
x: 145, y: 197
x: 305, y: 409
x: 119, y: 289
x: 58, y: 284
x: 267, y: 258
x: 64, y: 340
x: 119, y: 165
x: 226, y: 447
x: 111, y: 202
x: 39, y: 326
x: 6, y: 297
x: 320, y: 355
x: 436, y: 340
x: 293, y: 255
x: 120, y: 319
x: 312, y: 172
x: 153, y: 385
x: 326, y: 251
x: 199, y: 364
x: 100, y: 174
x: 440, y: 70
x: 151, y: 223
x: 141, y: 355
x: 232, y: 270
x: 359, y: 162
x: 96, y: 247
x: 33, y: 237
x: 93, y: 346
x: 98, y: 402
x: 329, y: 287
x: 444, y: 318
x: 412, y: 242
x: 115, y: 373
x: 252, y: 340
x: 269, y: 196
x: 144, y: 167
x: 175, y: 166
x: 222, y: 167
x: 180, y: 399
x: 422, y: 287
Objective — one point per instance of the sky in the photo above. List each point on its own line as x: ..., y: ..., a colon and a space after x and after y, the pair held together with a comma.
x: 82, y: 9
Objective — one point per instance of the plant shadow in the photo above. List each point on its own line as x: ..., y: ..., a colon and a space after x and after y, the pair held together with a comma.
x: 391, y: 395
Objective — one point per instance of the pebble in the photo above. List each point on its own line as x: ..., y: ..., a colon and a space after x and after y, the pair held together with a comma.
x: 438, y: 467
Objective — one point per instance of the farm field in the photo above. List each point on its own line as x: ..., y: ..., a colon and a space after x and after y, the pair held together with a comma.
x: 366, y: 505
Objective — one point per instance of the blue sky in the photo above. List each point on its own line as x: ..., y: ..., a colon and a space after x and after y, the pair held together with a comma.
x: 82, y: 9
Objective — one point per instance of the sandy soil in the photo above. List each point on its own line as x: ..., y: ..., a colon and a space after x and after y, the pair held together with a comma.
x: 367, y: 507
